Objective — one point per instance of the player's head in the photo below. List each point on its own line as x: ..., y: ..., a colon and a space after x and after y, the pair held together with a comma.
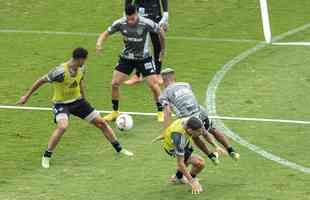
x: 193, y: 126
x: 168, y: 76
x: 131, y: 14
x: 79, y: 55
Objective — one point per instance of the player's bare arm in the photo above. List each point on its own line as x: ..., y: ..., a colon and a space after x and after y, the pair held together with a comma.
x: 101, y: 39
x: 41, y: 81
x: 162, y: 44
x: 82, y: 88
x: 210, y: 139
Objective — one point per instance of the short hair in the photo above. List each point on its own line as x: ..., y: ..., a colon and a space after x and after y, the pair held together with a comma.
x: 79, y: 53
x: 130, y: 9
x: 194, y: 123
x: 167, y: 73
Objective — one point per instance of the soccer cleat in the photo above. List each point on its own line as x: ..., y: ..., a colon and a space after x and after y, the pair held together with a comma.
x: 173, y: 179
x: 134, y: 80
x: 126, y: 152
x: 160, y: 116
x: 112, y: 116
x: 45, y: 162
x: 235, y: 155
x: 215, y: 159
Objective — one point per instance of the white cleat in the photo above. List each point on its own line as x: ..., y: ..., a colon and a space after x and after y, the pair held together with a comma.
x: 126, y: 152
x: 45, y: 162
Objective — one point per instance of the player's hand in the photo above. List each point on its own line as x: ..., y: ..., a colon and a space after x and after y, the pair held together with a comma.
x: 221, y: 151
x: 22, y: 100
x: 162, y: 55
x: 163, y: 26
x: 196, y: 187
x: 99, y: 48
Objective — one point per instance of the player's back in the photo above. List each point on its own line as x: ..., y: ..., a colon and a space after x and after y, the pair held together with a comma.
x: 181, y: 98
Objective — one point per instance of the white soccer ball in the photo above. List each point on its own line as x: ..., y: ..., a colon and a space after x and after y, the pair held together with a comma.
x: 124, y: 122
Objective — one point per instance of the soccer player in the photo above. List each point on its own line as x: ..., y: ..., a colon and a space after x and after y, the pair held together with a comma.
x: 177, y: 142
x: 152, y: 9
x: 69, y: 98
x: 180, y: 98
x: 135, y: 55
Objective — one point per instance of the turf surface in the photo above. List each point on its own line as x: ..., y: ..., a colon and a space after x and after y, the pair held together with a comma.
x: 273, y: 83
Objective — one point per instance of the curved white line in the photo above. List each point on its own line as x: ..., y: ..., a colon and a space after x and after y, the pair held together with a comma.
x: 211, y: 102
x: 97, y: 34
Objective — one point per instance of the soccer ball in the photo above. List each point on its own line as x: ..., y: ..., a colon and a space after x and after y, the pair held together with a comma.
x: 124, y: 122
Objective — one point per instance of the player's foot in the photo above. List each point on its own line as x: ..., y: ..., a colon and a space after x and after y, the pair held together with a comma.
x: 134, y: 80
x: 173, y: 179
x: 235, y: 155
x: 160, y: 116
x: 215, y: 158
x: 126, y: 152
x: 112, y: 116
x: 45, y: 162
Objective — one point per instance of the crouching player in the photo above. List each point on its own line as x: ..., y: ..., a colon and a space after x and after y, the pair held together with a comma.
x: 68, y: 85
x: 177, y: 142
x: 180, y: 98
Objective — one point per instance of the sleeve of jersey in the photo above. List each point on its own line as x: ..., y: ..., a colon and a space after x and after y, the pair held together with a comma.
x: 115, y: 27
x: 163, y: 99
x: 153, y: 27
x: 179, y: 142
x: 55, y: 75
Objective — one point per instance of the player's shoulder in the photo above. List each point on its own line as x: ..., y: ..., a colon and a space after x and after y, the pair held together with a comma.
x: 56, y: 73
x: 121, y: 20
x: 145, y: 21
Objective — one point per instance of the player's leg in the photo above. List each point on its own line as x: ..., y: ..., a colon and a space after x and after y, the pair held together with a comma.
x: 220, y: 137
x: 136, y: 78
x: 157, y: 50
x: 84, y: 110
x: 198, y: 164
x: 62, y: 120
x: 148, y: 70
x: 120, y: 74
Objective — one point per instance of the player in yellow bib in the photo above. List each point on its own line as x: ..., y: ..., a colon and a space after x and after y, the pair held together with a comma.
x: 69, y: 98
x: 177, y: 142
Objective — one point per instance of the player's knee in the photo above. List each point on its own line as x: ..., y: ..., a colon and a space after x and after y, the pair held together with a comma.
x: 115, y: 84
x: 62, y: 127
x: 200, y: 163
x: 102, y: 124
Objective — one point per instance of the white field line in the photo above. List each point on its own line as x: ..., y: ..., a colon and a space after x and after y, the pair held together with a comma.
x: 211, y: 101
x: 97, y: 34
x: 291, y: 43
x: 154, y: 114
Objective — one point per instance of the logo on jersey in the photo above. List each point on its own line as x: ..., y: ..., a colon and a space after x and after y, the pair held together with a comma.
x: 73, y: 85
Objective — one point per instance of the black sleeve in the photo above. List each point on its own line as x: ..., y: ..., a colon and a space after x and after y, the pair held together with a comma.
x: 164, y: 4
x: 179, y: 141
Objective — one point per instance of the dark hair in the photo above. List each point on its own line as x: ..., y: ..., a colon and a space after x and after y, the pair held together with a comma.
x: 79, y: 53
x: 194, y: 123
x: 130, y: 10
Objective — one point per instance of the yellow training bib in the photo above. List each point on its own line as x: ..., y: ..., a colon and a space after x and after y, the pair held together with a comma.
x: 69, y: 89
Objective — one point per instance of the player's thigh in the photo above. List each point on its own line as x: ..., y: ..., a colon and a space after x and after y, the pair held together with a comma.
x: 61, y: 115
x: 82, y: 109
x: 122, y: 70
x: 147, y: 68
x: 118, y: 78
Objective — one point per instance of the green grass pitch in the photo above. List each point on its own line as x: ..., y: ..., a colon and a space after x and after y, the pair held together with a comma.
x: 272, y: 83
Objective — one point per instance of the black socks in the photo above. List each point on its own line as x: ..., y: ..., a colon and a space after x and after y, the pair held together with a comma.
x: 159, y: 107
x: 115, y: 105
x: 117, y: 146
x: 48, y: 153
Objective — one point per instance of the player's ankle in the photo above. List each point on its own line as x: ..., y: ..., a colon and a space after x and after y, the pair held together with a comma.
x: 48, y: 153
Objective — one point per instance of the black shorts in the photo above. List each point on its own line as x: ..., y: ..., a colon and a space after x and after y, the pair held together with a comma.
x: 146, y: 67
x: 80, y: 108
x: 188, y: 151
